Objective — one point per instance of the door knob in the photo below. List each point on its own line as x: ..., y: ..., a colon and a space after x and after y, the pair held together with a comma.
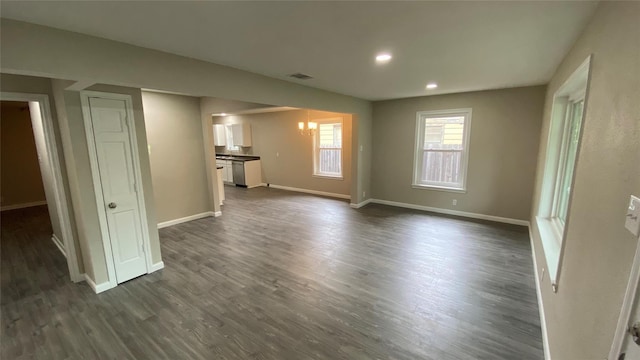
x: 112, y: 205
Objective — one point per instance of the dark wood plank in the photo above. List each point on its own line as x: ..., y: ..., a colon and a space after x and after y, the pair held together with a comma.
x: 283, y: 275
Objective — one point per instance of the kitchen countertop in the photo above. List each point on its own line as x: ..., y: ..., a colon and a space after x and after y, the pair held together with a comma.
x: 236, y: 157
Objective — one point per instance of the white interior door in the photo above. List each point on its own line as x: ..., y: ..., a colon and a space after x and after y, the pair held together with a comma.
x: 117, y: 177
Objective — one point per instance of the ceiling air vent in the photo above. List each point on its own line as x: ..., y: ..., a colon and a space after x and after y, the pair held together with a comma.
x: 301, y: 76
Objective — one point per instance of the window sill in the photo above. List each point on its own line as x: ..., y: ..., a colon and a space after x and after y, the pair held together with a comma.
x: 439, y: 188
x: 331, y: 177
x: 551, y: 239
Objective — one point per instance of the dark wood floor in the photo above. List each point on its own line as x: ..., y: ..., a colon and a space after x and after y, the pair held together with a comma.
x: 283, y: 276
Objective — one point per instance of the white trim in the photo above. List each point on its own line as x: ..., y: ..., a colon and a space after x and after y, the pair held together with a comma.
x: 97, y: 288
x: 217, y: 214
x: 59, y: 244
x: 165, y: 224
x: 627, y: 306
x: 24, y: 205
x: 59, y: 192
x: 313, y: 192
x: 543, y: 319
x: 359, y: 205
x: 157, y: 266
x: 421, y: 116
x: 452, y: 212
x: 97, y: 182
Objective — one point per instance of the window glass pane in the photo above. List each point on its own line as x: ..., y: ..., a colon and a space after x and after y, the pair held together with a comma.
x: 330, y: 135
x: 443, y: 147
x: 329, y: 149
x: 572, y: 148
x: 330, y: 162
x: 444, y: 133
x: 433, y: 135
x: 229, y: 135
x: 442, y: 167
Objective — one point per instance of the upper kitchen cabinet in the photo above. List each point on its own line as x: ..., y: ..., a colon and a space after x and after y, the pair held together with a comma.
x: 241, y: 134
x: 219, y: 135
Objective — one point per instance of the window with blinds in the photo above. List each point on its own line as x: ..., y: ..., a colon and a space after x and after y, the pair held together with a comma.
x: 327, y: 148
x: 442, y: 139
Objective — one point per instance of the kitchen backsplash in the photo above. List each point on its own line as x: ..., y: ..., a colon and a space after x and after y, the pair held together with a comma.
x: 242, y: 151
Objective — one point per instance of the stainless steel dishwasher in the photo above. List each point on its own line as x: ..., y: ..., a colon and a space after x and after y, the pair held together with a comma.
x: 238, y: 173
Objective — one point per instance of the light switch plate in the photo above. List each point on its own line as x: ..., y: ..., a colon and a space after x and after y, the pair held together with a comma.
x: 632, y: 222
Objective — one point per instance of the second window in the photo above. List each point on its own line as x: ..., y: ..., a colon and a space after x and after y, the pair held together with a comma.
x: 327, y: 148
x: 442, y: 141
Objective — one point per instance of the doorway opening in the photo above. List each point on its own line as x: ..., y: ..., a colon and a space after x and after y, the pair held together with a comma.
x: 34, y: 204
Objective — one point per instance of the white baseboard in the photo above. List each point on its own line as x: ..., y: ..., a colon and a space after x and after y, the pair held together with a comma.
x: 157, y: 266
x: 97, y: 288
x: 307, y: 191
x: 217, y: 214
x: 543, y: 320
x: 23, y: 206
x: 59, y: 244
x: 164, y: 224
x: 359, y: 205
x: 453, y: 212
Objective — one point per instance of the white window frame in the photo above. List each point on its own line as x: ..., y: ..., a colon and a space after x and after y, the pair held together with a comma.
x: 552, y: 228
x: 316, y: 150
x: 421, y: 117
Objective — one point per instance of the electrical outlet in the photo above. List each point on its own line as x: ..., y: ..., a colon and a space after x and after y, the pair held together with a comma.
x: 454, y: 202
x: 361, y: 147
x: 277, y: 154
x: 542, y: 275
x: 364, y: 194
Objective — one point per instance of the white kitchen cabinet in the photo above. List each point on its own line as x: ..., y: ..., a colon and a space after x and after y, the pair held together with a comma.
x: 219, y: 135
x: 227, y: 171
x: 241, y: 134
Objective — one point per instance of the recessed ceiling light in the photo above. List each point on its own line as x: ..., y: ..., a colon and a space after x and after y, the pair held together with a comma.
x: 431, y: 86
x: 223, y: 114
x: 382, y: 58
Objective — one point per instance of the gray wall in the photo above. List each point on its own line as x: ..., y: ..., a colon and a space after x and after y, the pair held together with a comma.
x: 503, y: 149
x: 581, y: 317
x: 277, y: 132
x: 178, y: 170
x: 21, y: 178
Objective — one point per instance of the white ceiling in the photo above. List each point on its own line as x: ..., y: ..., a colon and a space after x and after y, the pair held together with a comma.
x: 463, y: 46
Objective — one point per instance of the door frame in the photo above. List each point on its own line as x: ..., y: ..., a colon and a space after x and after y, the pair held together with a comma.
x: 627, y: 306
x: 97, y: 182
x: 53, y: 160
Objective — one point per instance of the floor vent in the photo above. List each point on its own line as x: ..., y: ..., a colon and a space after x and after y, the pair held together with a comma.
x: 301, y: 76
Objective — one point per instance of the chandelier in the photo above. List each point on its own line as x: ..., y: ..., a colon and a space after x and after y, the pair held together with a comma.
x: 309, y: 129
